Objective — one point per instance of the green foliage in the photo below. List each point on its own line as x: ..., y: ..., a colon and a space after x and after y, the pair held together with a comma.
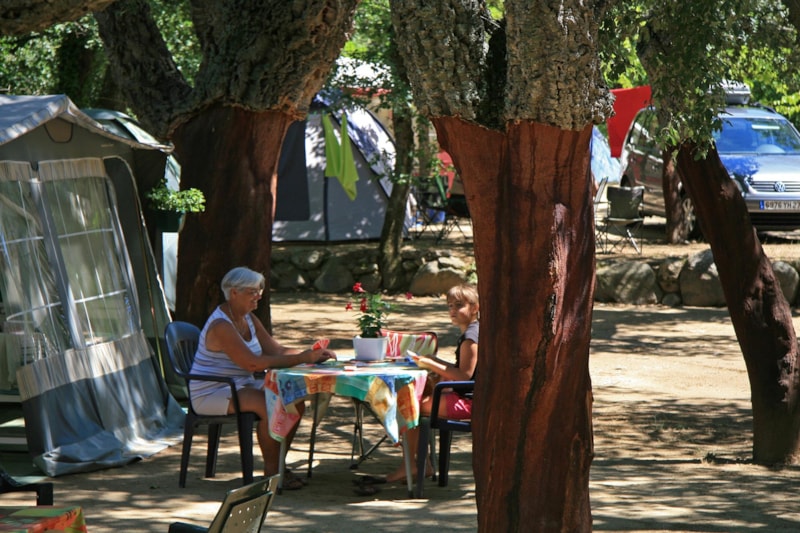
x: 688, y: 48
x: 174, y: 19
x: 162, y: 198
x: 68, y: 58
x: 27, y: 66
x: 80, y: 62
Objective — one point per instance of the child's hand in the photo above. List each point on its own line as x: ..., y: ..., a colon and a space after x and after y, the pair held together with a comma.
x: 423, y: 362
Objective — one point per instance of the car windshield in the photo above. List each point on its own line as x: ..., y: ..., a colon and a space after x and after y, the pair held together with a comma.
x: 757, y: 135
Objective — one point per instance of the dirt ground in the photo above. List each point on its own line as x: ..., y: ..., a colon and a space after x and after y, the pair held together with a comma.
x: 672, y: 433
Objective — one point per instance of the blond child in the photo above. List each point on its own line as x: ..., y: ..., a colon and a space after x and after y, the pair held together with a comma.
x: 462, y: 305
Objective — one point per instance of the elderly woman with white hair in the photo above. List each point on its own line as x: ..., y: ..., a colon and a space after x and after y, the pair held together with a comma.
x: 236, y: 344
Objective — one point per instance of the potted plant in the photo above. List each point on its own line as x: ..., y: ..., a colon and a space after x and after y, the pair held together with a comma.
x: 370, y: 345
x: 170, y: 206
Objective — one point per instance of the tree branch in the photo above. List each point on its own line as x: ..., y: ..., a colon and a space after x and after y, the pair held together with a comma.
x: 139, y: 56
x: 18, y: 17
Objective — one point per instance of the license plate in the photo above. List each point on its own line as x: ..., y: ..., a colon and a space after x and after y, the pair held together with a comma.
x: 780, y: 205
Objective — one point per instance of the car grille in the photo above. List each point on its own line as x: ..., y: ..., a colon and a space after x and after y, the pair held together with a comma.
x: 769, y: 186
x: 766, y: 220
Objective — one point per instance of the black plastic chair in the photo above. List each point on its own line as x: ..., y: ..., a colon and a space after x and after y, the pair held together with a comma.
x: 446, y: 428
x: 182, y: 339
x: 243, y: 510
x: 43, y: 490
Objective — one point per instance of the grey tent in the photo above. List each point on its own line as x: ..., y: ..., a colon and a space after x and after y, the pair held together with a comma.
x: 311, y: 207
x: 82, y: 303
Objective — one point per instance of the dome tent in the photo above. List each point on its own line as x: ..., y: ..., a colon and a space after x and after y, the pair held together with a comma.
x: 311, y: 207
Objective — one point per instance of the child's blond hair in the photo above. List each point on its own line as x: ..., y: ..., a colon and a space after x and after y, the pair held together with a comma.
x: 463, y: 293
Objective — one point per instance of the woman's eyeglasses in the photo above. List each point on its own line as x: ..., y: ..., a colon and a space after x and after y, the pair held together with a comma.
x: 252, y: 292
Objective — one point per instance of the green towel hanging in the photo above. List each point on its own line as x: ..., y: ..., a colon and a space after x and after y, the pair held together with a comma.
x: 339, y: 157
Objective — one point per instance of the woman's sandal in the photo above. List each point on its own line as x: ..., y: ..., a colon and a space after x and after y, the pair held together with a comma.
x: 366, y: 489
x: 369, y: 480
x: 291, y: 481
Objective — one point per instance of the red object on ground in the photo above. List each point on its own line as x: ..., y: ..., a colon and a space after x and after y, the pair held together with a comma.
x: 626, y: 104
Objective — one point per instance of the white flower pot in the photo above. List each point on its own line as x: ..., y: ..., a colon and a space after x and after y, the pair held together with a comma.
x: 369, y: 349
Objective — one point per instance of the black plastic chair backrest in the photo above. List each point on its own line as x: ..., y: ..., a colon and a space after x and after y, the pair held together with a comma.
x: 624, y: 202
x: 245, y: 508
x: 182, y: 339
x: 43, y: 490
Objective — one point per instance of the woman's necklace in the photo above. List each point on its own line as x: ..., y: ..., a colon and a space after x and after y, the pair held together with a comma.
x: 240, y: 324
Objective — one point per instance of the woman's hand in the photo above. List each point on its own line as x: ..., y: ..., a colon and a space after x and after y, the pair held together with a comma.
x: 320, y: 355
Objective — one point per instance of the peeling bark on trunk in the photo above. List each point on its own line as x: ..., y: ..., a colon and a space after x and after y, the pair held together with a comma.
x: 759, y: 312
x: 230, y: 154
x: 535, y: 262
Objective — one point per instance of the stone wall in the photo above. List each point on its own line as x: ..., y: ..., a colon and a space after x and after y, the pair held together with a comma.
x: 427, y: 272
x: 674, y: 281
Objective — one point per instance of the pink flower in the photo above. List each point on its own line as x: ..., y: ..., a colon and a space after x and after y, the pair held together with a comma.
x: 349, y: 306
x: 358, y: 288
x: 409, y: 296
x: 363, y: 305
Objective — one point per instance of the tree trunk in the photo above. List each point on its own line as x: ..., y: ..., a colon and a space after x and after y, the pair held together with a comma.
x: 535, y: 260
x: 391, y: 262
x: 759, y: 312
x: 230, y: 154
x: 677, y: 229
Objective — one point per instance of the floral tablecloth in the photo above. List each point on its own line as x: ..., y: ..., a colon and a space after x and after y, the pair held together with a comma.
x: 391, y: 389
x: 42, y: 518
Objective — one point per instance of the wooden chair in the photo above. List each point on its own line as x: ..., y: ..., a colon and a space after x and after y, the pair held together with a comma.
x: 446, y: 428
x: 182, y: 339
x: 244, y: 509
x: 43, y: 490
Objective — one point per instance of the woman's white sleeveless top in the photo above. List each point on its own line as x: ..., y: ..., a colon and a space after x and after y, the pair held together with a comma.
x: 219, y: 364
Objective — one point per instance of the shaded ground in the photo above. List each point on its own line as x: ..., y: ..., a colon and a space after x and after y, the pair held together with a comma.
x: 671, y: 428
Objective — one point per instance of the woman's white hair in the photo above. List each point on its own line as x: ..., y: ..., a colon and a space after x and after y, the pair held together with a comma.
x: 241, y: 278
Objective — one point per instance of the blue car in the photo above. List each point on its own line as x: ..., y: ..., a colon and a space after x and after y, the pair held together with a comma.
x: 760, y: 149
